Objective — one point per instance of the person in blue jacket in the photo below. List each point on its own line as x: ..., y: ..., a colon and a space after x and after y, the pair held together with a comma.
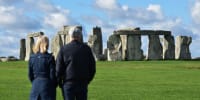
x: 41, y: 72
x: 75, y: 67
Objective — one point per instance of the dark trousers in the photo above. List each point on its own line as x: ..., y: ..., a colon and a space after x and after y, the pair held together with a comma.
x: 74, y: 91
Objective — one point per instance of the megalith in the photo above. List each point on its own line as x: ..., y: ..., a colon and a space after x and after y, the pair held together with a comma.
x: 124, y: 46
x: 56, y: 45
x: 62, y: 37
x: 22, y: 53
x: 182, y: 47
x: 168, y: 47
x: 155, y: 48
x: 134, y: 51
x: 114, y: 48
x: 29, y: 47
x: 95, y: 42
x: 30, y: 43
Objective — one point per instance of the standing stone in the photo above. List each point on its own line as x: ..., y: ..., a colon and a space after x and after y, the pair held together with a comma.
x: 95, y: 42
x: 124, y: 46
x: 62, y: 37
x: 29, y: 47
x: 56, y: 45
x: 114, y: 48
x: 134, y: 51
x: 105, y: 53
x: 182, y: 47
x: 155, y: 48
x: 22, y: 49
x: 67, y: 37
x: 64, y: 32
x: 168, y: 47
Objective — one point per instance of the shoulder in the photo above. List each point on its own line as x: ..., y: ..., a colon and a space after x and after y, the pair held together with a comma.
x: 49, y: 55
x: 86, y: 46
x: 66, y: 46
x: 33, y: 56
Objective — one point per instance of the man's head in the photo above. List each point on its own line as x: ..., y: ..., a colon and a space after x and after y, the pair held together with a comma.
x: 75, y: 33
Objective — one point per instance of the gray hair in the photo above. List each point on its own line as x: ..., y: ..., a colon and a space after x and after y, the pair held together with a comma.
x: 75, y: 32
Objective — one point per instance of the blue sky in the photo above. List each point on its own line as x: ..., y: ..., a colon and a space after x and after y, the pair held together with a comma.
x: 20, y: 17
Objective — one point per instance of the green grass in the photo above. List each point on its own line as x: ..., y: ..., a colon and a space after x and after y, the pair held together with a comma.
x: 130, y: 80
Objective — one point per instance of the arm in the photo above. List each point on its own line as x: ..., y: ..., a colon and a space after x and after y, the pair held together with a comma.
x: 92, y: 66
x: 60, y: 68
x: 30, y: 70
x: 52, y: 66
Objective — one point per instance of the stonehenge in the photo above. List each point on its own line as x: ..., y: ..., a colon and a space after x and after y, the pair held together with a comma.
x: 155, y: 48
x: 96, y: 44
x: 61, y: 38
x: 123, y: 44
x: 182, y: 47
x: 22, y: 53
x: 114, y: 45
x: 30, y: 43
x: 168, y: 47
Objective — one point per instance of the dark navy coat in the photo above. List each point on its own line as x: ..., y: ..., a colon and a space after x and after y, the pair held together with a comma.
x: 75, y: 63
x: 42, y: 76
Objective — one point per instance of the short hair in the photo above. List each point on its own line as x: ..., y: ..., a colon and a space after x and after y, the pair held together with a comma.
x: 41, y: 45
x: 75, y: 32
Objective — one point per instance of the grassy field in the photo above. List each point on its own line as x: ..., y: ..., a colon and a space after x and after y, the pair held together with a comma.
x: 130, y: 80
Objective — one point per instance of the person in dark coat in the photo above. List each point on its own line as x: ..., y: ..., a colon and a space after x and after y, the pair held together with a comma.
x: 75, y: 67
x: 41, y: 72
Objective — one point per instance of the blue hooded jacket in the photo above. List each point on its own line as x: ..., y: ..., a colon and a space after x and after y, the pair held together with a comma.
x: 41, y: 73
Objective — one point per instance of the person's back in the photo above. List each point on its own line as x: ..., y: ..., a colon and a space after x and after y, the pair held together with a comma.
x: 42, y: 75
x: 75, y: 68
x: 78, y: 62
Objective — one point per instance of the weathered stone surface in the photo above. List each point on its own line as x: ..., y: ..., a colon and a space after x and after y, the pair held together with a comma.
x: 131, y: 47
x: 22, y: 49
x: 136, y: 31
x: 155, y: 48
x: 29, y: 47
x: 134, y: 51
x: 168, y: 47
x: 182, y: 47
x: 62, y: 38
x: 64, y: 32
x: 124, y: 46
x: 56, y: 44
x: 105, y: 53
x: 114, y: 48
x: 95, y: 42
x: 35, y: 34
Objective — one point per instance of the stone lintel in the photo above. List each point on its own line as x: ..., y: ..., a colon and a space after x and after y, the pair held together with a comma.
x: 65, y: 29
x: 142, y: 32
x: 35, y: 34
x: 62, y: 33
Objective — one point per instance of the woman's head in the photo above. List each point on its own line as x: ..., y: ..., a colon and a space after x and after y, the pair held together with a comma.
x: 41, y: 45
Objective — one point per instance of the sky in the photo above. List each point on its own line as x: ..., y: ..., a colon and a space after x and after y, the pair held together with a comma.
x: 20, y: 17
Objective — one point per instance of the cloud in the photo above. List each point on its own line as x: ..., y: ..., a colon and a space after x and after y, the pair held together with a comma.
x: 195, y: 15
x: 8, y: 48
x: 118, y: 12
x: 14, y: 19
x: 19, y: 17
x: 58, y: 19
x: 156, y: 9
x: 194, y: 48
x: 195, y: 12
x: 9, y: 2
x: 151, y: 17
x: 108, y: 5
